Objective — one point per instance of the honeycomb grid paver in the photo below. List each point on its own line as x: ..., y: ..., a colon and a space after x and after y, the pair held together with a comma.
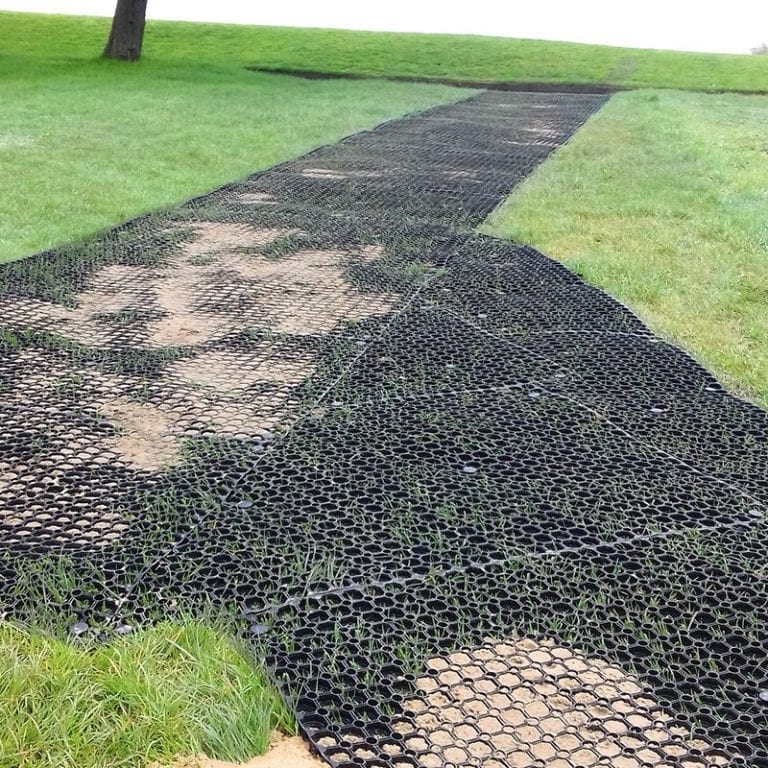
x: 472, y: 510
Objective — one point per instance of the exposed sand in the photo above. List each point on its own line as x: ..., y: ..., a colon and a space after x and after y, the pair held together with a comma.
x: 285, y: 752
x: 213, y: 287
x: 525, y: 704
x: 325, y: 173
x: 35, y: 497
x: 216, y: 284
x: 536, y: 701
x: 145, y: 439
x: 256, y: 198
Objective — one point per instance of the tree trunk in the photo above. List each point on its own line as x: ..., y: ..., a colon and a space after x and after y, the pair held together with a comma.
x: 127, y: 32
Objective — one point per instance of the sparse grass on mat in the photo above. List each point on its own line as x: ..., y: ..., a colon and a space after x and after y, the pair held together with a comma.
x: 163, y: 692
x: 85, y: 144
x: 662, y: 201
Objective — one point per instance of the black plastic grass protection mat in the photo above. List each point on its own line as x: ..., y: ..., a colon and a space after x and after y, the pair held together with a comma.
x: 473, y: 511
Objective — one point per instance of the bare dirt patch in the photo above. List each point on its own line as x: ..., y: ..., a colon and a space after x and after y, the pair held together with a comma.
x: 213, y: 286
x: 221, y: 237
x: 255, y: 198
x: 145, y: 439
x: 526, y: 703
x: 326, y: 173
x: 544, y: 130
x: 323, y: 173
x: 207, y: 261
x: 229, y: 371
x: 284, y: 752
x: 85, y: 417
x: 113, y: 289
x: 36, y: 495
x: 306, y: 293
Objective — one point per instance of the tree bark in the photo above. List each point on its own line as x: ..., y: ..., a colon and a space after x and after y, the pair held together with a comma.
x: 127, y: 33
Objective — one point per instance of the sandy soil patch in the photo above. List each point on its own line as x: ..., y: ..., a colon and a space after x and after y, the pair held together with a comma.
x: 76, y: 417
x: 536, y: 701
x: 37, y: 497
x: 285, y: 752
x: 222, y: 237
x: 326, y: 173
x: 215, y: 285
x: 543, y: 128
x: 210, y: 261
x: 255, y: 198
x: 34, y: 503
x: 111, y: 290
x: 243, y: 394
x: 209, y: 290
x: 229, y: 371
x: 306, y: 293
x: 323, y: 173
x: 145, y: 438
x: 525, y: 704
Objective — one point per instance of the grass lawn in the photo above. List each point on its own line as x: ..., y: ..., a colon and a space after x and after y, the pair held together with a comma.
x: 152, y: 696
x: 85, y: 144
x: 662, y: 201
x: 470, y: 57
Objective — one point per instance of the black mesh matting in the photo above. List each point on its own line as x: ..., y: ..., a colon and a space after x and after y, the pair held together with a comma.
x: 472, y: 510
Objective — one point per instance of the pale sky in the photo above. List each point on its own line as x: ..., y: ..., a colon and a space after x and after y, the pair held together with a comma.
x: 734, y: 26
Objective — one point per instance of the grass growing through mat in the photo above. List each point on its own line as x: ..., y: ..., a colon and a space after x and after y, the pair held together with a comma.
x: 152, y: 696
x: 85, y: 144
x: 661, y: 200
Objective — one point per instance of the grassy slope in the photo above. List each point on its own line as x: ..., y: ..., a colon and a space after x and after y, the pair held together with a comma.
x: 662, y: 201
x: 86, y: 144
x: 473, y: 57
x: 422, y: 55
x: 151, y: 696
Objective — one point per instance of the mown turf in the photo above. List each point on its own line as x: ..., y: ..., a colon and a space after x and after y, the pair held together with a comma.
x: 152, y: 696
x: 85, y: 144
x: 381, y: 53
x: 661, y: 200
x: 470, y: 57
